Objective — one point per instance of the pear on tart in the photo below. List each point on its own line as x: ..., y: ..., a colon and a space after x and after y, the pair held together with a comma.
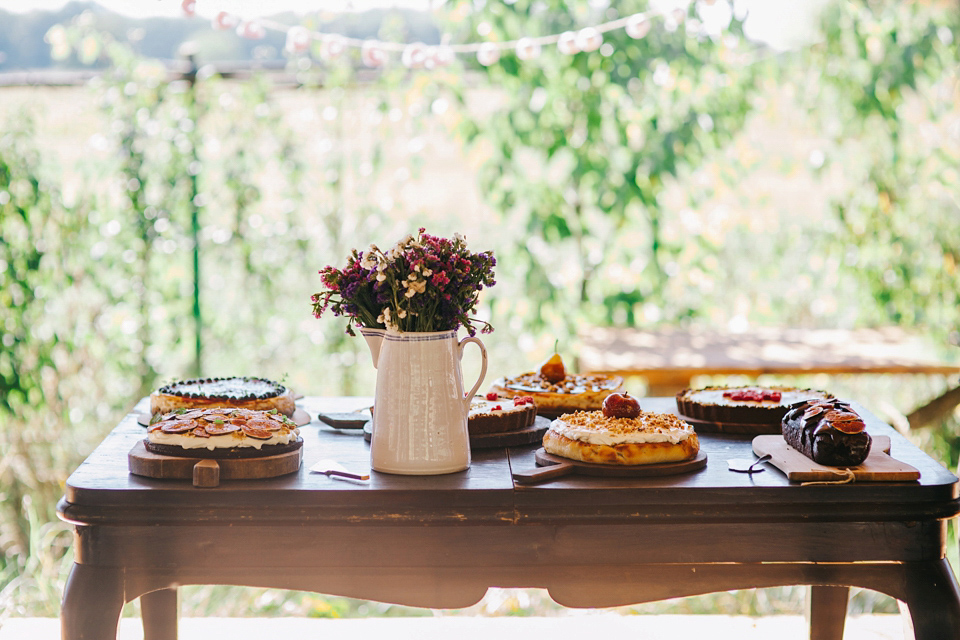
x: 556, y: 390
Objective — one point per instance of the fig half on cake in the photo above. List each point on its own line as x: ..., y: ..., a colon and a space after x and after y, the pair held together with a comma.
x: 829, y: 432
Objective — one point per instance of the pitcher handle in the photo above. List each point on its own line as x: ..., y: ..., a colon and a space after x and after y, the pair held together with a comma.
x: 483, y: 367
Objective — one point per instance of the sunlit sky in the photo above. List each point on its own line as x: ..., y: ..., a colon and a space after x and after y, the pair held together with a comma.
x: 781, y: 23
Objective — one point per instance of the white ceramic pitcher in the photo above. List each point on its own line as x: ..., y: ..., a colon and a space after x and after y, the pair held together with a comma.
x: 420, y: 409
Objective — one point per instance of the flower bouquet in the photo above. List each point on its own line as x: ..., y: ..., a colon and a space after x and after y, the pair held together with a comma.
x: 422, y: 284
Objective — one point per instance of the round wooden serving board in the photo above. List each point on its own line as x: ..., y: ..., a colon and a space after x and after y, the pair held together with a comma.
x: 550, y: 466
x: 533, y: 433
x: 206, y: 472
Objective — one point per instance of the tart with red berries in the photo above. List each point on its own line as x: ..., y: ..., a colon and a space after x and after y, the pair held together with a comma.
x: 496, y: 414
x: 747, y: 405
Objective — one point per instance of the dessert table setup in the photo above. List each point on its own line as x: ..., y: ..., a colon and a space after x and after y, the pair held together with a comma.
x: 431, y: 491
x: 440, y: 541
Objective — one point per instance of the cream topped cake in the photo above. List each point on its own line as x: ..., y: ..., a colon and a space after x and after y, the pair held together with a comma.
x: 494, y: 414
x: 747, y: 404
x: 222, y: 432
x: 649, y: 438
x: 202, y: 393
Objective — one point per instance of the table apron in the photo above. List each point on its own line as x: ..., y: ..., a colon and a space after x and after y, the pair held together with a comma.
x: 252, y: 546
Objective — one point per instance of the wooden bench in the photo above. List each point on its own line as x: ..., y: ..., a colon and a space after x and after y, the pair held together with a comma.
x: 669, y: 358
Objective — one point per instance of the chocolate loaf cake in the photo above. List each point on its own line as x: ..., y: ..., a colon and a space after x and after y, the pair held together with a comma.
x: 828, y: 432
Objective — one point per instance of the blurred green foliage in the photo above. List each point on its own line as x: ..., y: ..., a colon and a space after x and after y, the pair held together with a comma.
x: 581, y: 151
x: 38, y: 271
x: 898, y: 221
x: 623, y: 178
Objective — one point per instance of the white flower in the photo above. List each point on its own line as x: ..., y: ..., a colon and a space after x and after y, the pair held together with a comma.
x: 427, y: 273
x: 413, y: 288
x: 369, y: 261
x: 402, y: 314
x: 412, y: 277
x: 459, y: 238
x: 416, y: 267
x: 381, y: 276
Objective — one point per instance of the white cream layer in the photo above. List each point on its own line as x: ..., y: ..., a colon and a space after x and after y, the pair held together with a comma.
x: 483, y: 407
x: 646, y: 432
x: 226, y: 441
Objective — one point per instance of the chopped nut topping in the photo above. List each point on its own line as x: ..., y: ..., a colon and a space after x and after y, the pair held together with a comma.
x: 648, y: 422
x: 573, y: 383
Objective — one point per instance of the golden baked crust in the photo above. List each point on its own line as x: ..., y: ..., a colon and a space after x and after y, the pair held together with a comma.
x: 255, y: 394
x: 650, y: 438
x: 575, y: 392
x: 621, y: 454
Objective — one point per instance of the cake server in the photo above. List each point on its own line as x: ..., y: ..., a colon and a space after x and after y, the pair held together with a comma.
x: 333, y: 468
x: 746, y: 466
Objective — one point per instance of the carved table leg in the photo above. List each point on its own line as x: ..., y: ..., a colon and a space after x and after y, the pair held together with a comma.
x: 933, y: 597
x: 159, y: 610
x: 828, y: 612
x: 92, y: 600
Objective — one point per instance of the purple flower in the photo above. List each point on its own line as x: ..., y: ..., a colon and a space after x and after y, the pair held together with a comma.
x: 427, y: 283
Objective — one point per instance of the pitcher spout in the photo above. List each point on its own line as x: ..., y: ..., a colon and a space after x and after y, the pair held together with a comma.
x: 374, y: 338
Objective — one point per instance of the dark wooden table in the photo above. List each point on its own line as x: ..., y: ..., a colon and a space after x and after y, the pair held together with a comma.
x: 441, y: 541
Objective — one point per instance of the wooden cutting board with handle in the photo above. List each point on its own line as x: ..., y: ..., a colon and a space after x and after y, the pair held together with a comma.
x: 550, y: 466
x: 878, y: 467
x: 206, y: 472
